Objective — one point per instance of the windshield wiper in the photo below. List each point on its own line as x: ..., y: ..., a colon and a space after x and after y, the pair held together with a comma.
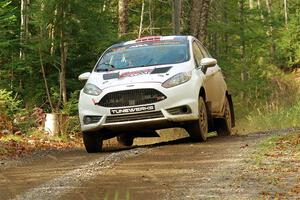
x: 110, y: 67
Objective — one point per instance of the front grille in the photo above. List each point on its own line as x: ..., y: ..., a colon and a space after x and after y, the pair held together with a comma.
x: 134, y: 117
x: 131, y: 98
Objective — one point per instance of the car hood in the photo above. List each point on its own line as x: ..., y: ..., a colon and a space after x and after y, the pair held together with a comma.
x: 153, y: 74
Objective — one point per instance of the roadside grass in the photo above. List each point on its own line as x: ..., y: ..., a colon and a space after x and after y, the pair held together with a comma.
x: 272, y: 103
x: 267, y: 118
x: 275, y: 167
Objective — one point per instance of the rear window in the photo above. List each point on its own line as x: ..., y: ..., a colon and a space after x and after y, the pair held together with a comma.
x: 144, y: 54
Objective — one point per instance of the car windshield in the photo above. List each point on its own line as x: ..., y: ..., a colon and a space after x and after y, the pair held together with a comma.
x: 144, y: 54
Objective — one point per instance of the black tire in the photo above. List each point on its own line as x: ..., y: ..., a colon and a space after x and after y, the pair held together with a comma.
x: 224, y: 125
x: 125, y: 140
x: 92, y: 142
x: 198, y: 130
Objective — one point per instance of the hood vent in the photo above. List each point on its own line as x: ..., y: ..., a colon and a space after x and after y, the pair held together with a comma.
x: 110, y: 76
x: 161, y: 70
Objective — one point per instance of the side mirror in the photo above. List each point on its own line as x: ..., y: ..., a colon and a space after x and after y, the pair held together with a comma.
x: 85, y: 76
x: 207, y: 62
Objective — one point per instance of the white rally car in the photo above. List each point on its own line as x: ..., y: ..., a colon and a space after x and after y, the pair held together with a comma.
x: 151, y: 83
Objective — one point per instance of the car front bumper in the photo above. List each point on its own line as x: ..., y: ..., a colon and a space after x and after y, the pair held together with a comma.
x: 181, y: 96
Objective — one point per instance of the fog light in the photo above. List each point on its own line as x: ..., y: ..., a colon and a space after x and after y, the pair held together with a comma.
x: 91, y: 119
x: 180, y: 110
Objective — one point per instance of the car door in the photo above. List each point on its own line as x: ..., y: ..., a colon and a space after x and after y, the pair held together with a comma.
x: 214, y: 85
x: 198, y: 56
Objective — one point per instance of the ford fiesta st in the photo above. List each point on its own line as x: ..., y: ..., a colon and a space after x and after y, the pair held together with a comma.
x: 151, y: 83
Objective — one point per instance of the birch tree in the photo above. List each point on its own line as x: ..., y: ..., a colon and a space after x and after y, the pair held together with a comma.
x: 141, y: 20
x: 285, y: 12
x: 24, y: 26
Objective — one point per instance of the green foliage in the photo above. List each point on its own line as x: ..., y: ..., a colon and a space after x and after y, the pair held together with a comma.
x: 71, y: 107
x: 9, y: 105
x: 71, y: 126
x: 288, y: 54
x: 8, y: 24
x: 254, y: 43
x: 24, y: 122
x: 240, y: 39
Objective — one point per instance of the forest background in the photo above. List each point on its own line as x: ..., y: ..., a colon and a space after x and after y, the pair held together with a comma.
x: 46, y: 44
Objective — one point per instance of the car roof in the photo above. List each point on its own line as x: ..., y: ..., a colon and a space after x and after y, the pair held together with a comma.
x: 152, y: 39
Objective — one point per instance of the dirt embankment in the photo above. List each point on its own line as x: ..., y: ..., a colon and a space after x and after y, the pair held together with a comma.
x: 220, y: 168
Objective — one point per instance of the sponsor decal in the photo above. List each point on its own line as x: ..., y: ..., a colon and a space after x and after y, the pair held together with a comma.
x: 132, y: 110
x: 135, y: 73
x: 94, y: 101
x: 138, y: 45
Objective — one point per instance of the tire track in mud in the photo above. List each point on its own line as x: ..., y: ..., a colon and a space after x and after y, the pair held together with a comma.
x: 57, y: 187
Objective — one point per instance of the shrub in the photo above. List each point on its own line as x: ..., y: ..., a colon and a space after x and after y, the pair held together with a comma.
x: 9, y: 105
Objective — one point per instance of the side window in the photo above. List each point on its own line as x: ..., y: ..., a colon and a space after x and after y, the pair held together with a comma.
x: 197, y: 54
x: 203, y: 50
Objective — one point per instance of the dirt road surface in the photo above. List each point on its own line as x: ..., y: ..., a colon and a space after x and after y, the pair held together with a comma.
x: 178, y: 169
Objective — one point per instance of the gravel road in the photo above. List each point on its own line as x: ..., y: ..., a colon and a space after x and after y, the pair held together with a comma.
x: 178, y: 169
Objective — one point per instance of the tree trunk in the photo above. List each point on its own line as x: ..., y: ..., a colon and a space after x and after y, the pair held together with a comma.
x: 63, y: 56
x: 204, y: 21
x: 251, y: 4
x: 142, y: 19
x: 52, y: 31
x: 195, y: 16
x: 150, y: 18
x: 242, y: 39
x: 226, y: 33
x: 45, y: 79
x: 199, y: 18
x: 270, y: 32
x: 42, y: 63
x: 23, y: 26
x: 123, y: 17
x: 285, y: 12
x: 261, y: 13
x: 244, y: 72
x: 176, y: 14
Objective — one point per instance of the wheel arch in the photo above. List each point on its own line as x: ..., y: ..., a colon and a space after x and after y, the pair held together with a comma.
x: 229, y: 97
x: 202, y: 93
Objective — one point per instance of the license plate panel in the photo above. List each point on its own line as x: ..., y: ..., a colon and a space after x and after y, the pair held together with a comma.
x: 136, y: 109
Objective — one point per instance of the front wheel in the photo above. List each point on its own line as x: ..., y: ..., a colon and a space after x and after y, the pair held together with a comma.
x: 198, y: 130
x: 223, y: 125
x: 92, y: 142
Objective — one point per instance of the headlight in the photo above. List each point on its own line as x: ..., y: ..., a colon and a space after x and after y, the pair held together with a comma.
x: 91, y: 89
x: 177, y: 79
